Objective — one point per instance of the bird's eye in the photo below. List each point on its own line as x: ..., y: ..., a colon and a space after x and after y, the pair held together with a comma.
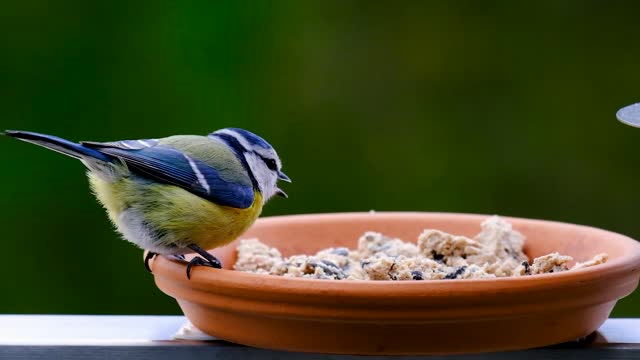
x: 271, y: 164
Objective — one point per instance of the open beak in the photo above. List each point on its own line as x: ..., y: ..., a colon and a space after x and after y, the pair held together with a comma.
x: 279, y: 192
x: 282, y: 176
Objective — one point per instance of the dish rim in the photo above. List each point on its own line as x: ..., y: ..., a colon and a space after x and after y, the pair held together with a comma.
x: 213, y: 279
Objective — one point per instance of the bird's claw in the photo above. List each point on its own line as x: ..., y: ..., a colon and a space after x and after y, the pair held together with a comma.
x: 205, y: 259
x: 212, y: 262
x: 150, y: 255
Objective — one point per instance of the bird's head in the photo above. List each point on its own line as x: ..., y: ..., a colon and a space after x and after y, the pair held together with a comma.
x: 261, y: 159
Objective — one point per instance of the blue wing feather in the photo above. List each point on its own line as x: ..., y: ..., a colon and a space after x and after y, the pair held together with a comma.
x: 124, y: 144
x: 169, y: 165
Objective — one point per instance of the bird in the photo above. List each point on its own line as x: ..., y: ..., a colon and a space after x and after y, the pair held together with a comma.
x: 179, y: 194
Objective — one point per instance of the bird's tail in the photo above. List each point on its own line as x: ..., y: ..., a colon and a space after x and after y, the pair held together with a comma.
x: 58, y: 144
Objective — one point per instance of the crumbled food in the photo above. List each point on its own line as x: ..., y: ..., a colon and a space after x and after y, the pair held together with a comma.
x: 440, y: 246
x: 550, y: 263
x: 597, y: 260
x: 499, y: 238
x: 380, y: 267
x: 523, y: 269
x: 308, y: 266
x: 474, y: 271
x: 337, y: 256
x: 254, y: 256
x: 554, y: 262
x: 495, y: 252
x: 372, y: 243
x: 384, y: 267
x: 501, y: 247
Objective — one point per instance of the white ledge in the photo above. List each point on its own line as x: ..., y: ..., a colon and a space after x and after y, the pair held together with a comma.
x: 151, y: 337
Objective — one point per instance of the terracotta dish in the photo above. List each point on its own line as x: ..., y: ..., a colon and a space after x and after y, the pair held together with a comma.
x: 408, y: 317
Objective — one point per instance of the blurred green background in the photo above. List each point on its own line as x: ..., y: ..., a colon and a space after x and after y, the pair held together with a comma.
x: 484, y: 107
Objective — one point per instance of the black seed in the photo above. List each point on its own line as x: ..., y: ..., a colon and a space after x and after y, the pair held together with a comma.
x: 456, y: 273
x: 527, y: 268
x: 342, y: 251
x: 330, y: 263
x: 436, y: 256
x: 416, y: 275
x: 330, y: 268
x: 464, y: 256
x: 365, y: 263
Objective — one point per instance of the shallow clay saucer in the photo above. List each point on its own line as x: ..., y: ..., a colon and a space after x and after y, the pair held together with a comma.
x: 404, y: 317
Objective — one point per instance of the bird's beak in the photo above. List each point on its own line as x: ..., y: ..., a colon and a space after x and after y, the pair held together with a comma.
x: 282, y: 176
x: 279, y: 192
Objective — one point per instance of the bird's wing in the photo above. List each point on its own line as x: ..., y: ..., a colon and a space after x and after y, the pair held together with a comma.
x: 214, y: 153
x: 124, y: 144
x: 169, y: 165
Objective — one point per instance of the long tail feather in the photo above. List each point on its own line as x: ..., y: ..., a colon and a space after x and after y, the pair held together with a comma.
x: 57, y: 144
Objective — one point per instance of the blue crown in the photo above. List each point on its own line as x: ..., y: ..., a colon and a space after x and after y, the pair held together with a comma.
x: 252, y: 138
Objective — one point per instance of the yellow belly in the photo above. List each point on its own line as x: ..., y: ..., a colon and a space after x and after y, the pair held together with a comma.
x: 178, y: 218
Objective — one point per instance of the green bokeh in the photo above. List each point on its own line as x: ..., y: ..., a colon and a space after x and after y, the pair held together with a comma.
x: 469, y: 107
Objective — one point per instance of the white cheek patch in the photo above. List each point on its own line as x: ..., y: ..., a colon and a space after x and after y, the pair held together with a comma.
x: 266, y: 178
x: 254, y: 155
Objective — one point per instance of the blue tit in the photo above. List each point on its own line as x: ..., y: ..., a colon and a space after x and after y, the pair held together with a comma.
x: 179, y: 194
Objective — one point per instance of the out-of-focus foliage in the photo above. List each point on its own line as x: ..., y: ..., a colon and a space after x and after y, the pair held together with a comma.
x: 477, y: 107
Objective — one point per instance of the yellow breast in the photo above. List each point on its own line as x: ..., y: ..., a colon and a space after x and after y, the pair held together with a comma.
x: 218, y: 225
x: 178, y: 217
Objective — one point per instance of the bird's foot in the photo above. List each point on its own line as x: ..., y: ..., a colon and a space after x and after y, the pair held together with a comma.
x: 150, y: 255
x: 205, y: 259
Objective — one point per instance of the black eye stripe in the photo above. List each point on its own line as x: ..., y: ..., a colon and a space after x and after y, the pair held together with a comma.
x: 239, y: 151
x: 271, y: 164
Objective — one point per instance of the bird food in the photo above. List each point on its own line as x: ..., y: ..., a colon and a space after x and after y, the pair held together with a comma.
x: 497, y: 251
